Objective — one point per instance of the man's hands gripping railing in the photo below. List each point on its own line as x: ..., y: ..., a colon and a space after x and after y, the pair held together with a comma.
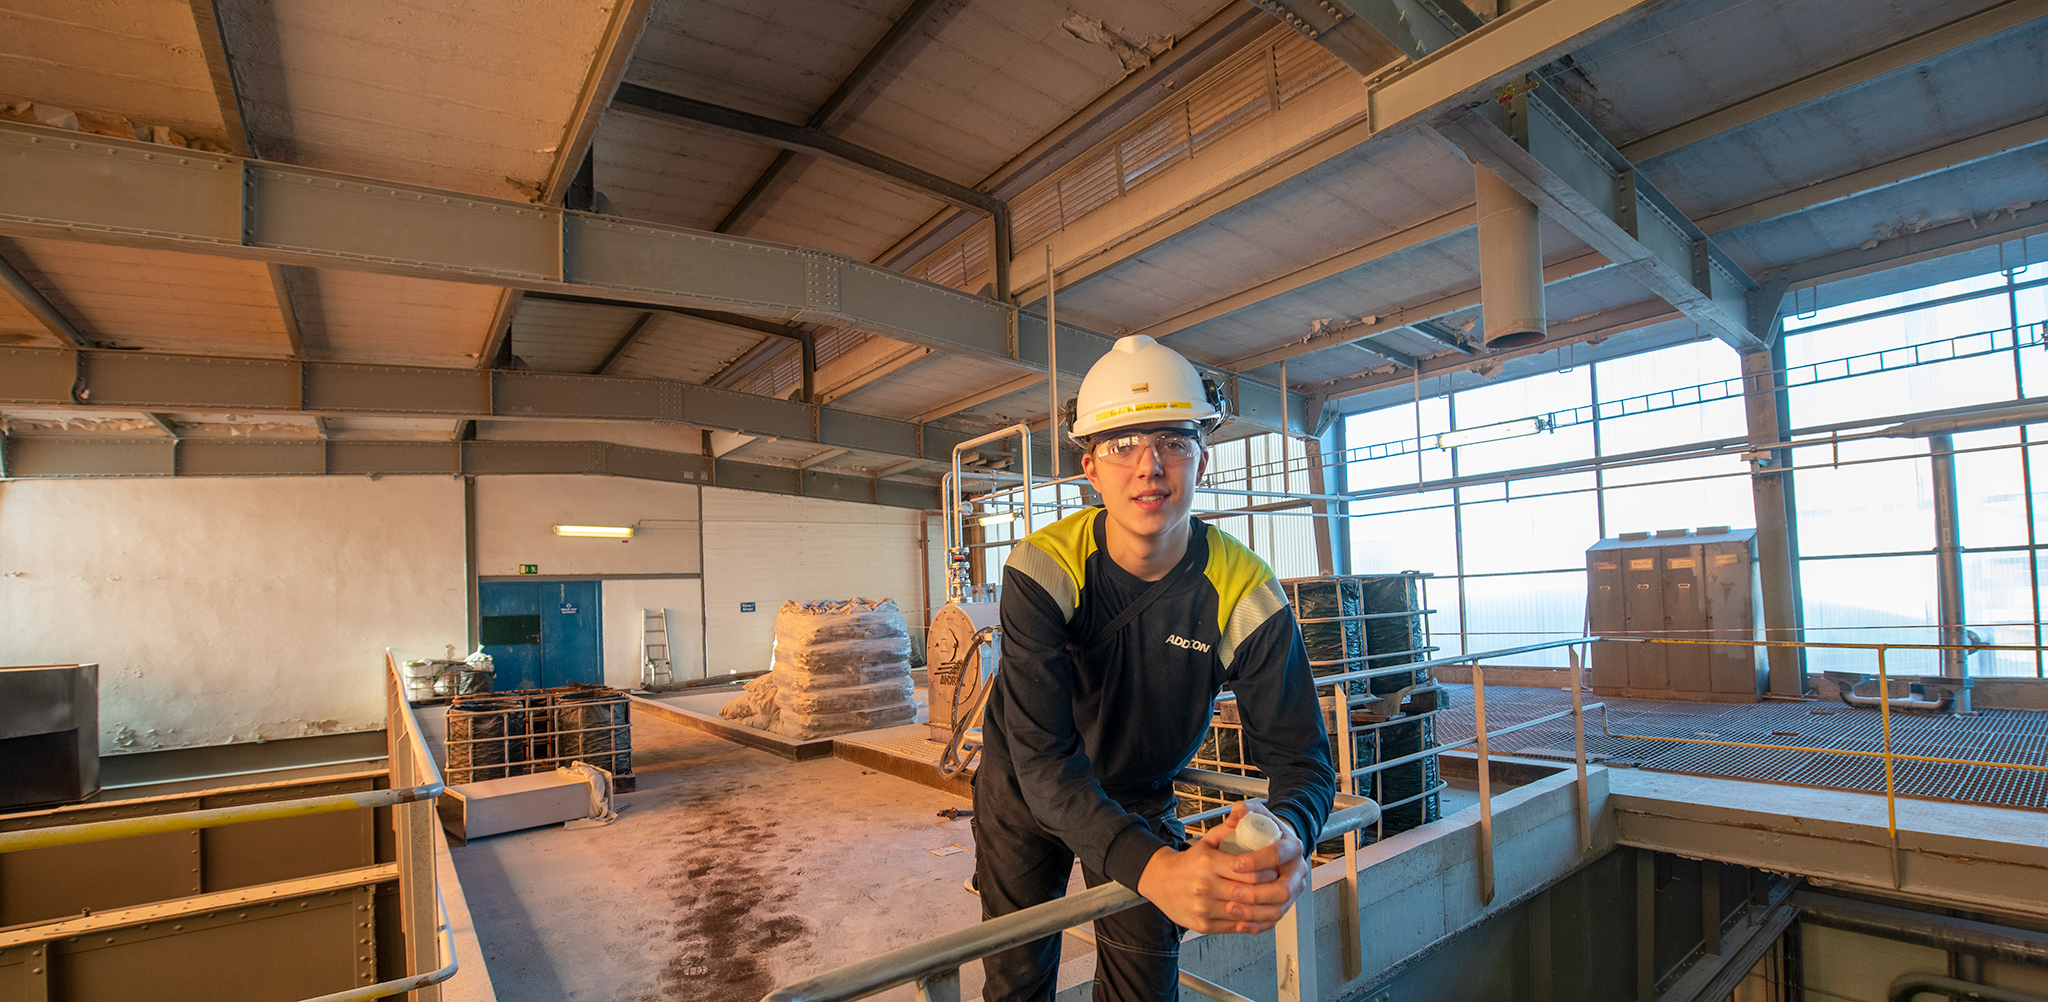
x: 934, y: 965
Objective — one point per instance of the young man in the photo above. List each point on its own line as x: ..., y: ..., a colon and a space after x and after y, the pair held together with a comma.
x: 1087, y: 726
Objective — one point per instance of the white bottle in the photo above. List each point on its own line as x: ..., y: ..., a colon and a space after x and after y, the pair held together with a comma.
x: 1254, y: 831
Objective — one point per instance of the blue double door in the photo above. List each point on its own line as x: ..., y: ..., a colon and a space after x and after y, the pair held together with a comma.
x: 542, y: 633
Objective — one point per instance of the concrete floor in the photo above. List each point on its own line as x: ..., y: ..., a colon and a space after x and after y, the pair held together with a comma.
x: 729, y: 872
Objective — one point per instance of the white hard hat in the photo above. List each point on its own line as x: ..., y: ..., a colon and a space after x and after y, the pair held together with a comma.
x: 1141, y: 381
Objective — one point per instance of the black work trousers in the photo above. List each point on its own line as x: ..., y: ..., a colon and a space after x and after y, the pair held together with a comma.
x: 1017, y: 865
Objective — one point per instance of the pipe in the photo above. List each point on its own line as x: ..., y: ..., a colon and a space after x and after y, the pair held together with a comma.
x: 1948, y: 563
x: 1909, y: 985
x: 1942, y: 932
x: 1996, y: 417
x: 1898, y: 702
x: 1052, y: 370
x: 956, y: 528
x: 1510, y: 264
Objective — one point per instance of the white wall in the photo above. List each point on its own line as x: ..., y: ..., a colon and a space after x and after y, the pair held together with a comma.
x: 230, y: 609
x: 516, y: 517
x: 768, y: 549
x: 242, y: 609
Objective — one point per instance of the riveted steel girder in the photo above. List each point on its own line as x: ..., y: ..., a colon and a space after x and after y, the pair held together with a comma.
x: 1545, y: 149
x: 71, y: 186
x: 152, y: 381
x: 37, y: 458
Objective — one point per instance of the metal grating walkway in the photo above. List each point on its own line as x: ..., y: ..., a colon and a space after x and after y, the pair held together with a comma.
x: 2016, y: 736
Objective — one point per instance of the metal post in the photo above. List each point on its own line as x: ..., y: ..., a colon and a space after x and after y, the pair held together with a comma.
x: 1485, y: 786
x: 1891, y: 803
x: 1948, y: 564
x: 1584, y: 796
x: 1052, y: 367
x: 1349, y: 926
x: 941, y: 987
x: 1773, y: 522
x: 1646, y: 925
x: 1294, y: 951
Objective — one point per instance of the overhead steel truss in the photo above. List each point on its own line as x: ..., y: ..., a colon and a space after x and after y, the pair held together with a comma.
x: 65, y: 457
x: 161, y: 382
x: 71, y: 186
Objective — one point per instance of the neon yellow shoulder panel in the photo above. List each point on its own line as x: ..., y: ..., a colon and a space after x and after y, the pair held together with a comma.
x: 1057, y: 558
x: 1247, y: 593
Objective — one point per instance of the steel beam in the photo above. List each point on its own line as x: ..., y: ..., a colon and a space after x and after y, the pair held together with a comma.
x: 1502, y: 50
x: 854, y: 83
x: 98, y: 190
x: 1357, y: 41
x: 1604, y: 324
x: 2022, y: 135
x: 152, y: 381
x: 633, y: 332
x: 32, y: 300
x: 800, y: 139
x: 1449, y: 224
x: 35, y: 458
x: 1419, y: 318
x: 1553, y: 156
x: 1841, y: 76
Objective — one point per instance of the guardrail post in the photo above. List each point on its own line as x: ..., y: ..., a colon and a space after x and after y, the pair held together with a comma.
x: 1348, y: 924
x: 413, y: 827
x: 1294, y: 950
x: 1583, y: 793
x: 941, y: 987
x: 1485, y: 786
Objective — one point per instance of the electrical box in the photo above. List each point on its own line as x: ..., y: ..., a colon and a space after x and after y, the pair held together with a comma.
x: 1677, y: 584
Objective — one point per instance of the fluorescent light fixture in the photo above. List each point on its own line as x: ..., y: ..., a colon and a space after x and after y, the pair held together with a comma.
x: 596, y: 531
x: 1493, y: 432
x: 997, y: 519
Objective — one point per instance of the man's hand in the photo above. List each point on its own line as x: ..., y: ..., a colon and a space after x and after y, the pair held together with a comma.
x: 1208, y: 890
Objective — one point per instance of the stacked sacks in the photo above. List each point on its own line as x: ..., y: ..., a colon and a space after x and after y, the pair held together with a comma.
x: 839, y: 667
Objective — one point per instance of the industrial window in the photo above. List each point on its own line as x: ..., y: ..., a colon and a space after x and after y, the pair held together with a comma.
x: 1866, y: 527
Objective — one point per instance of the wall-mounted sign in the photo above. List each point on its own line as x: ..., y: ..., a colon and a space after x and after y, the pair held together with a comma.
x: 568, y: 608
x: 746, y: 607
x: 529, y: 568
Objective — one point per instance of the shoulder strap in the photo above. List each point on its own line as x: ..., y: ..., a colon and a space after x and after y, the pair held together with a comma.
x: 1159, y: 587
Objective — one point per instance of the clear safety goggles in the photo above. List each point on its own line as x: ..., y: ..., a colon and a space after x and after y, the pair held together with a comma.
x: 1173, y: 446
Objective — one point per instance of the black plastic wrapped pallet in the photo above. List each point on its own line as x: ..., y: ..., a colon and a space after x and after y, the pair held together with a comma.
x: 1338, y: 640
x: 1404, y: 638
x: 484, y: 735
x: 591, y: 726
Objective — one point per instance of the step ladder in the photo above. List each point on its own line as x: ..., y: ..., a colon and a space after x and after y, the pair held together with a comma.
x: 655, y: 669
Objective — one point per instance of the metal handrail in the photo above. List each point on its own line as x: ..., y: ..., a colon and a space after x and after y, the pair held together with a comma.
x: 215, y: 817
x: 940, y: 954
x: 411, y: 982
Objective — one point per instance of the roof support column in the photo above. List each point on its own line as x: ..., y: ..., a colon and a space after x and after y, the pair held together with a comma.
x: 1770, y: 486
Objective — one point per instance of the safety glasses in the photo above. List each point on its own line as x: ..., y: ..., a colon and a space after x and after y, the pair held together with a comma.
x: 1173, y: 446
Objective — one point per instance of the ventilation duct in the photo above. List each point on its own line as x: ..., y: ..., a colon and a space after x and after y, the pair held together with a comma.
x: 1510, y: 264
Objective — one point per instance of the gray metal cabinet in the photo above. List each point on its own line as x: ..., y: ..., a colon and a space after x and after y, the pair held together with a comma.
x: 1677, y: 584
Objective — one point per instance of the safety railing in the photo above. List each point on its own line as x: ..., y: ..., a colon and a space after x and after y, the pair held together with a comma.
x: 933, y: 966
x: 1884, y: 706
x: 414, y: 782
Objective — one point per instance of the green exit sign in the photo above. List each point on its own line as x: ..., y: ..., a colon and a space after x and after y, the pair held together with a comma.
x: 529, y: 568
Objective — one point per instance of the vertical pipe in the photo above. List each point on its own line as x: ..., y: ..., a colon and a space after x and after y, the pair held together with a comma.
x: 1948, y: 562
x: 703, y: 592
x: 1510, y: 263
x: 1052, y: 372
x: 474, y: 611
